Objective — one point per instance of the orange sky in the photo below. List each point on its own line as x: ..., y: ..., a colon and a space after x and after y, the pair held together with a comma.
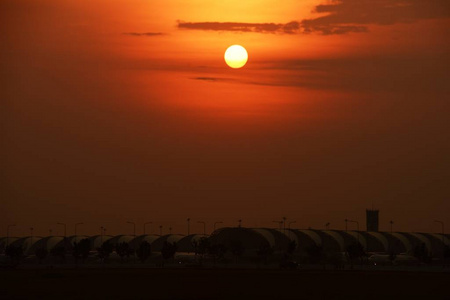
x: 125, y: 110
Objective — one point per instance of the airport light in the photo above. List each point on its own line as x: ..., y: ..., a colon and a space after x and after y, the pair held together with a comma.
x: 442, y: 225
x: 76, y: 225
x: 146, y: 223
x: 204, y: 227
x: 289, y: 227
x: 357, y: 227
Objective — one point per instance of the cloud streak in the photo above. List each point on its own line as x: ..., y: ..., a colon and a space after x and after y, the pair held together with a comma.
x: 288, y: 28
x: 354, y: 74
x: 149, y: 34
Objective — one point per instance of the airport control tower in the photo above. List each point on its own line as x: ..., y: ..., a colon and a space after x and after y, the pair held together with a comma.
x: 372, y: 219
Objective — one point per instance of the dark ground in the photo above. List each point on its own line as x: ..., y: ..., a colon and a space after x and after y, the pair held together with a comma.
x: 152, y: 283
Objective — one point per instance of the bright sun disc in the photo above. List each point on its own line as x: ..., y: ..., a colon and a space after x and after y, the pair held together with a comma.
x: 236, y: 56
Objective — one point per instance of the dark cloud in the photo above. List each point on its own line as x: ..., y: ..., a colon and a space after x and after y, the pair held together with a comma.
x: 335, y: 29
x: 218, y: 79
x: 345, y: 16
x: 143, y: 33
x: 342, y: 16
x: 288, y: 28
x: 206, y: 78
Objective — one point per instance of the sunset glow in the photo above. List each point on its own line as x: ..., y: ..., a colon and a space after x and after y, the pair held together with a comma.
x: 126, y: 109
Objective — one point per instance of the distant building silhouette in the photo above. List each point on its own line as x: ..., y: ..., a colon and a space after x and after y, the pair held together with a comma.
x: 372, y: 220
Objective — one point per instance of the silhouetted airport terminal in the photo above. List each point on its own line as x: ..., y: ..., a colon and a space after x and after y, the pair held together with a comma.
x: 253, y: 244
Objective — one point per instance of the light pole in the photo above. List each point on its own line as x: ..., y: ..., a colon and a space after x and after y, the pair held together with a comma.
x: 357, y: 224
x: 188, y: 225
x: 442, y: 225
x: 7, y: 233
x: 76, y: 225
x: 215, y: 223
x: 150, y: 227
x: 357, y: 228
x: 204, y: 227
x: 289, y: 227
x: 65, y: 227
x: 134, y: 227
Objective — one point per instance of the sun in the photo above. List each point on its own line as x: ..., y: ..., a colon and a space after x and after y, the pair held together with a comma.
x: 236, y: 56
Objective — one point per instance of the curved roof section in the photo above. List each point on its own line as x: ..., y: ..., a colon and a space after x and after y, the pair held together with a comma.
x: 355, y: 238
x: 311, y: 234
x: 336, y: 237
x: 422, y: 239
x: 76, y: 238
x: 47, y: 243
x: 149, y: 238
x: 267, y: 235
x: 437, y: 242
x: 68, y: 243
x: 250, y: 239
x: 381, y: 238
x: 441, y: 238
x: 170, y: 238
x: 26, y: 243
x: 400, y: 237
x: 98, y: 240
x: 218, y: 230
x: 305, y: 239
x: 186, y: 244
x: 118, y: 239
x: 291, y: 235
x: 5, y: 240
x: 283, y: 237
